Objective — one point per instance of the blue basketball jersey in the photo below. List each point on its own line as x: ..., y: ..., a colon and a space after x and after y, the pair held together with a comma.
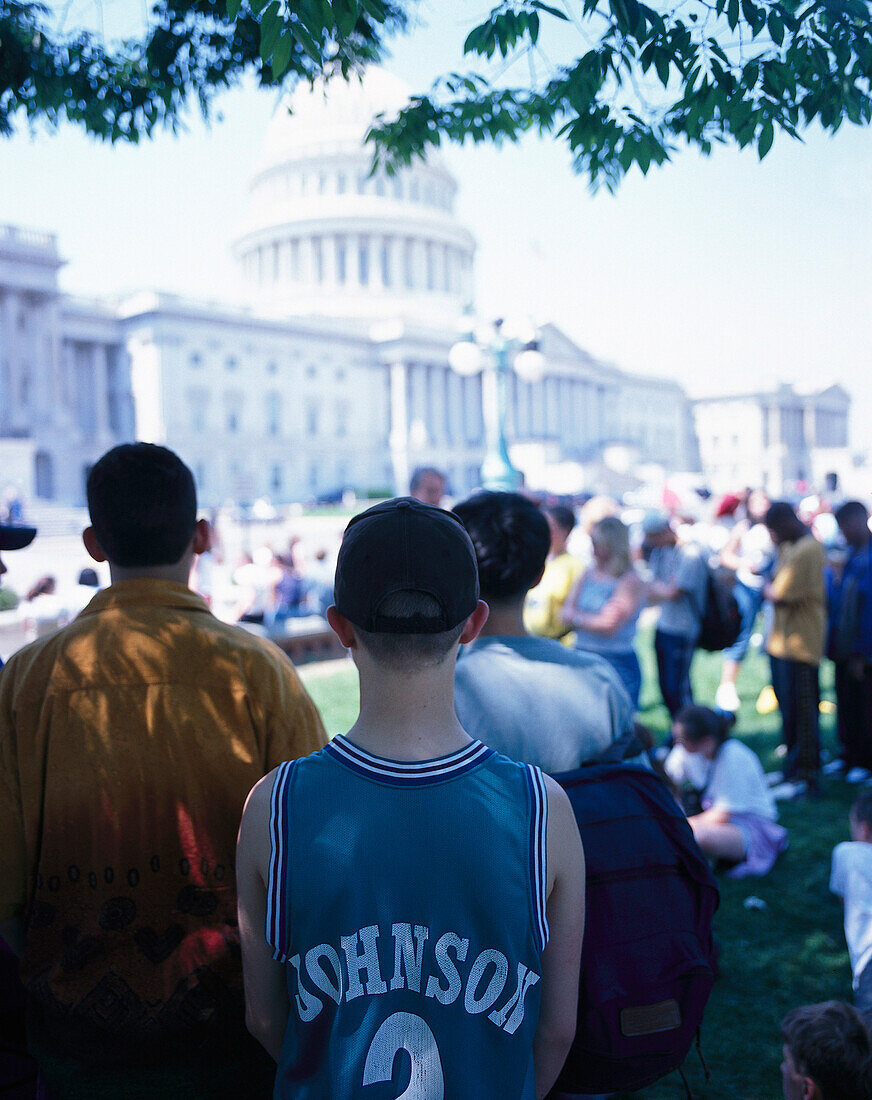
x: 408, y: 903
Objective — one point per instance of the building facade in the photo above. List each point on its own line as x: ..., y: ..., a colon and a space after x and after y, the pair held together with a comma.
x: 330, y: 369
x: 783, y: 439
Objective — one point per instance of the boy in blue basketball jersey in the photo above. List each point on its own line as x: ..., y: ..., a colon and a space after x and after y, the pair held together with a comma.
x: 411, y: 903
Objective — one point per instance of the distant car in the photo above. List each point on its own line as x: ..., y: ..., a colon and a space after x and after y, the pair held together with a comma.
x: 334, y: 496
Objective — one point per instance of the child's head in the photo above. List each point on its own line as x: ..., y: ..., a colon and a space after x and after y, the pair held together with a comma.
x: 861, y: 818
x: 701, y: 729
x: 827, y: 1053
x: 406, y: 579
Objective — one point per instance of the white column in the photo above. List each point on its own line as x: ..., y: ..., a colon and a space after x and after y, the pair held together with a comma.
x: 375, y: 267
x: 419, y: 264
x: 398, y: 431
x: 100, y: 367
x: 395, y: 260
x: 11, y: 305
x: 352, y: 261
x: 307, y: 268
x: 328, y: 259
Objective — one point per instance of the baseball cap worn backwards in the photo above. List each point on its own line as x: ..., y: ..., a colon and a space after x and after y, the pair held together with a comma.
x: 403, y: 545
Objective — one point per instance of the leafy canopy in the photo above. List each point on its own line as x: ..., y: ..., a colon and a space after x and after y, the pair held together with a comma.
x: 190, y: 49
x: 639, y: 82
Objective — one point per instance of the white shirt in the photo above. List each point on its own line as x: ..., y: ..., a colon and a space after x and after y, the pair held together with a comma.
x: 851, y: 879
x: 733, y: 781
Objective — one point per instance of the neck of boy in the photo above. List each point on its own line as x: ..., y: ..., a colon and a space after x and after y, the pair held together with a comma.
x: 506, y: 619
x: 408, y: 715
x: 179, y: 572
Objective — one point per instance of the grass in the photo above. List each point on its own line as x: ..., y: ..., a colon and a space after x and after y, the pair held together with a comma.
x: 790, y: 953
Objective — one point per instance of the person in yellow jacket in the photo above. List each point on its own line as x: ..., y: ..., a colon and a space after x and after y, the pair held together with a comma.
x: 545, y: 602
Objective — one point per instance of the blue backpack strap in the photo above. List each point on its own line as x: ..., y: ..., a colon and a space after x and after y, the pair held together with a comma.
x: 538, y: 851
x: 277, y: 917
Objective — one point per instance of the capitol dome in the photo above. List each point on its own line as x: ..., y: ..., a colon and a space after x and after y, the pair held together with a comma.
x: 324, y: 237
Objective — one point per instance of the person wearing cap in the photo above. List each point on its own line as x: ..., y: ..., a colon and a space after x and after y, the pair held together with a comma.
x: 678, y: 583
x: 402, y: 890
x: 13, y: 536
x: 128, y: 743
x: 530, y: 698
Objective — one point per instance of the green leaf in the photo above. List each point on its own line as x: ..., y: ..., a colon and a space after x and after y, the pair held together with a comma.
x: 257, y: 6
x: 282, y: 55
x: 661, y: 64
x: 556, y: 12
x: 307, y: 43
x: 751, y: 13
x: 233, y: 7
x: 764, y: 142
x: 733, y: 14
x: 270, y: 29
x: 776, y: 27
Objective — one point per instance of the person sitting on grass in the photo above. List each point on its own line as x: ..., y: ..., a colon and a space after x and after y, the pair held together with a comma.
x: 827, y: 1053
x: 851, y: 879
x: 737, y: 823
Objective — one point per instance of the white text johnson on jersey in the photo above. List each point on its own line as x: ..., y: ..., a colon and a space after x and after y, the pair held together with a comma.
x: 357, y: 969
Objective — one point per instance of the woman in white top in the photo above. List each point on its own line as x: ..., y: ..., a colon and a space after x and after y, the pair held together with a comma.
x: 737, y: 823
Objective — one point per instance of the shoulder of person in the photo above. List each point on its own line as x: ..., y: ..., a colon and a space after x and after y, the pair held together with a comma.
x: 853, y: 856
x: 808, y: 546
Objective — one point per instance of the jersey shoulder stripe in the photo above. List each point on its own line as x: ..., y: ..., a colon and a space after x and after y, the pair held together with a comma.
x: 277, y: 884
x: 538, y: 851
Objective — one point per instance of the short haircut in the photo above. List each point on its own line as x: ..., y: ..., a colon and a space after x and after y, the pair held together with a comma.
x: 852, y: 509
x: 861, y: 810
x: 511, y: 539
x: 562, y: 515
x: 698, y: 723
x: 143, y: 505
x: 420, y: 472
x: 830, y: 1043
x: 409, y: 651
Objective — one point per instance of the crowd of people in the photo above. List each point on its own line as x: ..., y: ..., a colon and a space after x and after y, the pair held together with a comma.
x: 417, y: 884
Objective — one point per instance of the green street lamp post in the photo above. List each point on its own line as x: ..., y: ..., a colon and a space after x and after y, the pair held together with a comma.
x: 495, y: 356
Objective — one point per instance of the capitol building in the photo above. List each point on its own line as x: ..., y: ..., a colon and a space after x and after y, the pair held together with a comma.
x: 331, y: 368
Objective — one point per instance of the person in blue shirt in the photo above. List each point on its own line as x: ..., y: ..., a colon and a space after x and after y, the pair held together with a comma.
x: 849, y: 644
x: 530, y: 698
x: 411, y: 903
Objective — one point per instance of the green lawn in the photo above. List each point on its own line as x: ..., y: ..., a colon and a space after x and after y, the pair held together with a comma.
x: 792, y: 952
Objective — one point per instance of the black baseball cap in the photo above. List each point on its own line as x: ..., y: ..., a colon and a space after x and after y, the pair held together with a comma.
x: 14, y: 536
x: 403, y: 545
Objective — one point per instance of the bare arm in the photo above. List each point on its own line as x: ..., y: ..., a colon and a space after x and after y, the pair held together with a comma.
x: 560, y: 960
x: 663, y: 591
x: 714, y: 816
x: 729, y: 556
x: 266, y: 993
x: 614, y: 613
x: 568, y: 610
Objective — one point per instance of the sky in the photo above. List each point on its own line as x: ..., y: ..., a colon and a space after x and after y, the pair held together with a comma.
x: 724, y: 273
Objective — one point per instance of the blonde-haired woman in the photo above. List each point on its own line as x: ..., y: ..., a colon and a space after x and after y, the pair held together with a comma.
x: 604, y: 604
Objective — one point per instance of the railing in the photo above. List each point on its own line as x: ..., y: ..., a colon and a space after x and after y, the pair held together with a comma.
x: 28, y: 238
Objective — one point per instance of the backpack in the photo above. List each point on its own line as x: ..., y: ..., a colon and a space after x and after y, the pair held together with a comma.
x: 721, y: 620
x: 648, y: 959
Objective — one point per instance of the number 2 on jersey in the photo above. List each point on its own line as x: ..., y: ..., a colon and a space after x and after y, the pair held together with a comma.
x: 404, y: 1031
